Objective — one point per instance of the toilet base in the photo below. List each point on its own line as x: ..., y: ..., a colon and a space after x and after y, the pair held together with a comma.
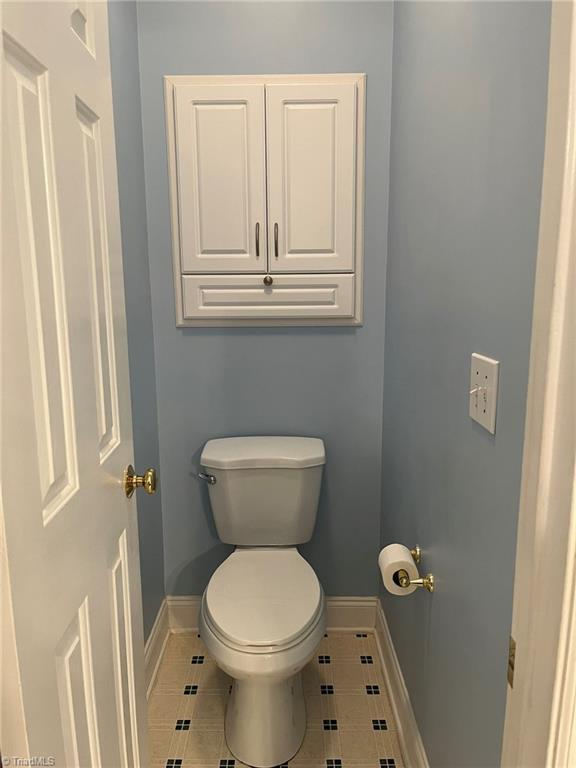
x: 266, y: 720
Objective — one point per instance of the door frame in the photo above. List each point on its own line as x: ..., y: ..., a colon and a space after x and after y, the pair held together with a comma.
x: 13, y: 737
x: 540, y: 725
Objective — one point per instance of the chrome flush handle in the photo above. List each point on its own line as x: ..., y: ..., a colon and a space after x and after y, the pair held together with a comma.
x: 210, y: 479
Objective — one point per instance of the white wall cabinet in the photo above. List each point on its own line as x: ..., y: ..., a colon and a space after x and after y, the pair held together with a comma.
x: 266, y: 181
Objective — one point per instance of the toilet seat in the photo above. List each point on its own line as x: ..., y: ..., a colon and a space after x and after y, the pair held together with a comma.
x: 263, y: 600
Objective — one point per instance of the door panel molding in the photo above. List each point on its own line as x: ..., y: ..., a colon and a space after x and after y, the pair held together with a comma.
x: 124, y: 656
x: 101, y: 299
x: 76, y: 689
x: 40, y: 246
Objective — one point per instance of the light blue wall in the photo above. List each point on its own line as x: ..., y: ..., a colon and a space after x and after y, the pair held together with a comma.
x: 128, y: 125
x: 468, y: 118
x: 325, y: 382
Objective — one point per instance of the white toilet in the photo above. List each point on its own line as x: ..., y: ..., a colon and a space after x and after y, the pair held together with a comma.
x: 263, y: 613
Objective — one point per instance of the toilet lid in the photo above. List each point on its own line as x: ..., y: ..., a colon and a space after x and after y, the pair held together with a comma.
x: 263, y: 597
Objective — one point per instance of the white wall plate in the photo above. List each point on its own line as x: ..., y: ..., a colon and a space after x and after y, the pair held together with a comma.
x: 483, y: 390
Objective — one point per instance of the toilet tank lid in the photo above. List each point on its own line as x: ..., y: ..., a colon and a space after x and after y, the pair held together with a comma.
x: 263, y: 452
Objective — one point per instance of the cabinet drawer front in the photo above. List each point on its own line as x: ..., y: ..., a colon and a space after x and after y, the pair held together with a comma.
x: 245, y: 296
x: 221, y: 177
x: 311, y: 139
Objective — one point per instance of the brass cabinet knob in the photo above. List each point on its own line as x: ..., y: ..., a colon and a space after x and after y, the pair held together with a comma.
x: 133, y: 481
x: 268, y: 280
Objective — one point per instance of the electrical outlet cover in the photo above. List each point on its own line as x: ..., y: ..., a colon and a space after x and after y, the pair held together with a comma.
x: 484, y: 391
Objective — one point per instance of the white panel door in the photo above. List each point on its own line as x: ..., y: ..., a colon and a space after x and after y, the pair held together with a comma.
x: 66, y: 437
x: 220, y: 157
x: 311, y: 145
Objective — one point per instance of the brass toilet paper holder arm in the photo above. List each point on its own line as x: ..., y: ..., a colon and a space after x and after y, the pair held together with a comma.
x: 405, y: 581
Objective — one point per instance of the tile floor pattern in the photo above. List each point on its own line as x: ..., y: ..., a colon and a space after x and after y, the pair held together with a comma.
x: 350, y: 720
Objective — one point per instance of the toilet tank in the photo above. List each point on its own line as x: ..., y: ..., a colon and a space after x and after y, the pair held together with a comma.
x: 266, y: 489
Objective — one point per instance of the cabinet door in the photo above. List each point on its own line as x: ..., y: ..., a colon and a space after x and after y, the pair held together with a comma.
x: 209, y: 297
x: 220, y: 160
x: 311, y: 143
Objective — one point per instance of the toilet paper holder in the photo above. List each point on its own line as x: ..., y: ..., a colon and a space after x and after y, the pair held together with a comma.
x: 404, y: 580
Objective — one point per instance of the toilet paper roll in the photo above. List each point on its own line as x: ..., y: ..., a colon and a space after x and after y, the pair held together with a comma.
x: 393, y: 558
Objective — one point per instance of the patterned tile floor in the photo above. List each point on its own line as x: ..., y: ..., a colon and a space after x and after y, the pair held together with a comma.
x: 350, y: 721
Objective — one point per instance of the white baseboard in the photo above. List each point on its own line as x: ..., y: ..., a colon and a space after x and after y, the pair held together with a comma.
x: 183, y: 612
x: 351, y: 613
x: 342, y: 612
x: 154, y: 648
x: 408, y: 733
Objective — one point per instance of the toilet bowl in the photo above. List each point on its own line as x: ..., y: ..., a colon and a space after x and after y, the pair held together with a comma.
x: 262, y: 617
x: 263, y: 613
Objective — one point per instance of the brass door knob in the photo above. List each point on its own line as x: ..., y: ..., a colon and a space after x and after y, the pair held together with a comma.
x: 268, y: 280
x: 133, y: 481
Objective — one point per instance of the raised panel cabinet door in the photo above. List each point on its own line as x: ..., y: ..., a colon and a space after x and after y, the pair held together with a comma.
x: 247, y: 297
x: 220, y: 160
x: 311, y: 144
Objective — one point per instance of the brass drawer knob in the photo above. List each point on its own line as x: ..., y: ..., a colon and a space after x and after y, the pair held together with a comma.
x: 268, y: 280
x: 133, y: 481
